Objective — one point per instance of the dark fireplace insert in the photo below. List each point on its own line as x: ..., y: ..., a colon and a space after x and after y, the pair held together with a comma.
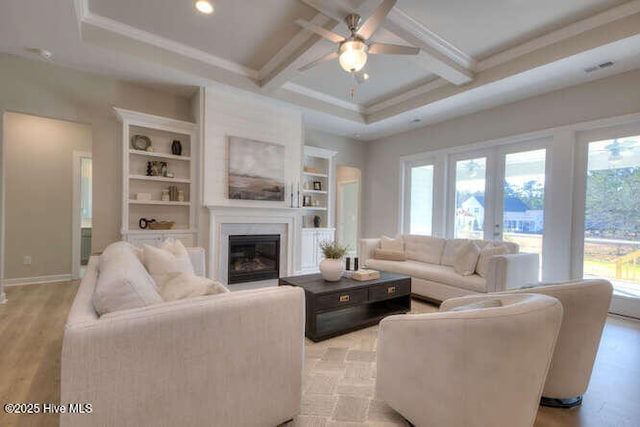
x: 254, y: 257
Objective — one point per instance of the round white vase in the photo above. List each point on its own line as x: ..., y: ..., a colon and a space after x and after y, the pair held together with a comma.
x: 331, y: 269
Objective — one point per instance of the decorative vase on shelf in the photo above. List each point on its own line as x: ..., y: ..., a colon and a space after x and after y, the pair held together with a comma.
x: 316, y: 221
x: 176, y: 148
x: 331, y: 269
x: 331, y: 266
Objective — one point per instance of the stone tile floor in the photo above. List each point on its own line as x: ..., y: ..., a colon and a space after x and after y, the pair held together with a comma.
x: 339, y: 380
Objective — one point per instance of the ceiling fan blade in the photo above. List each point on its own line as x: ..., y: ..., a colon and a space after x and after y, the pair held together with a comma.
x: 330, y: 9
x: 331, y: 36
x: 392, y: 49
x: 327, y: 57
x: 373, y: 22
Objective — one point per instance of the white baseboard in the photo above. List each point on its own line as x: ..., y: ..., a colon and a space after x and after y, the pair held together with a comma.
x: 625, y: 306
x: 37, y: 280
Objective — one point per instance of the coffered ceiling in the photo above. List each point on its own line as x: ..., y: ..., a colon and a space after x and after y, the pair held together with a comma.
x: 472, y: 54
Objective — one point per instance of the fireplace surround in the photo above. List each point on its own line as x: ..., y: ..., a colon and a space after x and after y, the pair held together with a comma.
x: 253, y: 257
x: 226, y: 221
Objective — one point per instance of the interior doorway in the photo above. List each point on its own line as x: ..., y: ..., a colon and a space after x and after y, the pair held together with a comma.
x: 348, y: 182
x: 82, y: 212
x: 40, y: 187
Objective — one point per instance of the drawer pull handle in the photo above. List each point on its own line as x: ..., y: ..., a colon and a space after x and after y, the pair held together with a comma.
x: 391, y: 290
x: 344, y: 298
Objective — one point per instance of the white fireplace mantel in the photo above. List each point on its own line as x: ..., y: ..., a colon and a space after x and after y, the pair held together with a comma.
x: 253, y: 217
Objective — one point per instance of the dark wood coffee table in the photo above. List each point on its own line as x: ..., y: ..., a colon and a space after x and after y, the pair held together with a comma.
x: 335, y: 308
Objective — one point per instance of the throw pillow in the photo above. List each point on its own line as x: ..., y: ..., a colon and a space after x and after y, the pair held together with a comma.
x: 389, y: 244
x: 389, y: 255
x: 122, y: 282
x: 424, y: 248
x: 483, y: 260
x: 488, y: 303
x: 184, y: 285
x: 450, y: 251
x: 466, y: 259
x: 167, y: 260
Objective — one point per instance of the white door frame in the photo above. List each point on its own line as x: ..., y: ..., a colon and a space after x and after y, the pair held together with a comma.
x: 76, y: 220
x: 3, y: 297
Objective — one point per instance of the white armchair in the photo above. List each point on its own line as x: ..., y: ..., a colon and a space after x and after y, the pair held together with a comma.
x: 479, y: 367
x: 585, y: 304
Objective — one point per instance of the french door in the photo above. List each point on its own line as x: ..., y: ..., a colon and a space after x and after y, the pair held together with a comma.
x: 498, y: 194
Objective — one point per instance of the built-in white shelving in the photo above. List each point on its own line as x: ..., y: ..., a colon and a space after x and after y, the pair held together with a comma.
x: 318, y: 197
x: 160, y: 179
x: 145, y: 175
x: 158, y: 202
x: 159, y: 155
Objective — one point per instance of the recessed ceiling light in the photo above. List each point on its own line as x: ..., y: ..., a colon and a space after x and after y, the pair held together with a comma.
x: 204, y: 6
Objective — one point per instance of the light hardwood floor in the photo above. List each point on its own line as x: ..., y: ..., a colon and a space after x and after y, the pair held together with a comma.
x: 339, y: 373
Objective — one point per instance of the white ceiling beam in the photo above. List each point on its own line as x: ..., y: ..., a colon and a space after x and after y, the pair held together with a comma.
x: 283, y: 66
x: 437, y: 55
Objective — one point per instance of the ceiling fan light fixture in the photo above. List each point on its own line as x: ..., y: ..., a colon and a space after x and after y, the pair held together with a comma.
x: 204, y: 6
x: 353, y: 55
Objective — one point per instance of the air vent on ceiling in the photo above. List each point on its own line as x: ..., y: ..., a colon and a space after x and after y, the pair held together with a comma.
x: 598, y: 67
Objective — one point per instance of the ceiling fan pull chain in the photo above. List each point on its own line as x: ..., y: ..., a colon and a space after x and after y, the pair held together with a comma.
x: 353, y: 84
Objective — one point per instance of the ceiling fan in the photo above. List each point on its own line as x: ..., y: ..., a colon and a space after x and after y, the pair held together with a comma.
x: 353, y: 50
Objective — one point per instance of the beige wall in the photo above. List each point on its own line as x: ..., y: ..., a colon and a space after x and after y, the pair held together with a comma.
x: 350, y: 151
x: 44, y: 89
x: 610, y: 97
x: 39, y: 193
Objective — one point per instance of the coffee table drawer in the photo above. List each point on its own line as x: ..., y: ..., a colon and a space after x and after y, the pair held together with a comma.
x: 340, y: 299
x: 389, y: 290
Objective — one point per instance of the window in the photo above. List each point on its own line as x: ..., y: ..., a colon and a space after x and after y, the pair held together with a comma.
x: 421, y: 199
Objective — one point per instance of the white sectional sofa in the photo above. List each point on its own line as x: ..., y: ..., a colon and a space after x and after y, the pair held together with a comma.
x: 429, y: 262
x: 201, y: 361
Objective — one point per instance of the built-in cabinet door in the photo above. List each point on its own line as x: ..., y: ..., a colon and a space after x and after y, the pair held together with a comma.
x: 309, y: 253
x: 322, y: 236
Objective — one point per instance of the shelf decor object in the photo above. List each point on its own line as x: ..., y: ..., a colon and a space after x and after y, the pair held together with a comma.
x: 159, y: 181
x: 140, y: 142
x: 176, y: 147
x: 255, y: 170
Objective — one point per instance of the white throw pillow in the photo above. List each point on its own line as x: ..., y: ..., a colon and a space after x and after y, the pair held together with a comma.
x: 389, y: 255
x: 450, y: 251
x: 123, y: 282
x: 165, y: 261
x: 184, y: 285
x: 424, y: 248
x: 483, y: 260
x: 466, y: 259
x: 389, y: 244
